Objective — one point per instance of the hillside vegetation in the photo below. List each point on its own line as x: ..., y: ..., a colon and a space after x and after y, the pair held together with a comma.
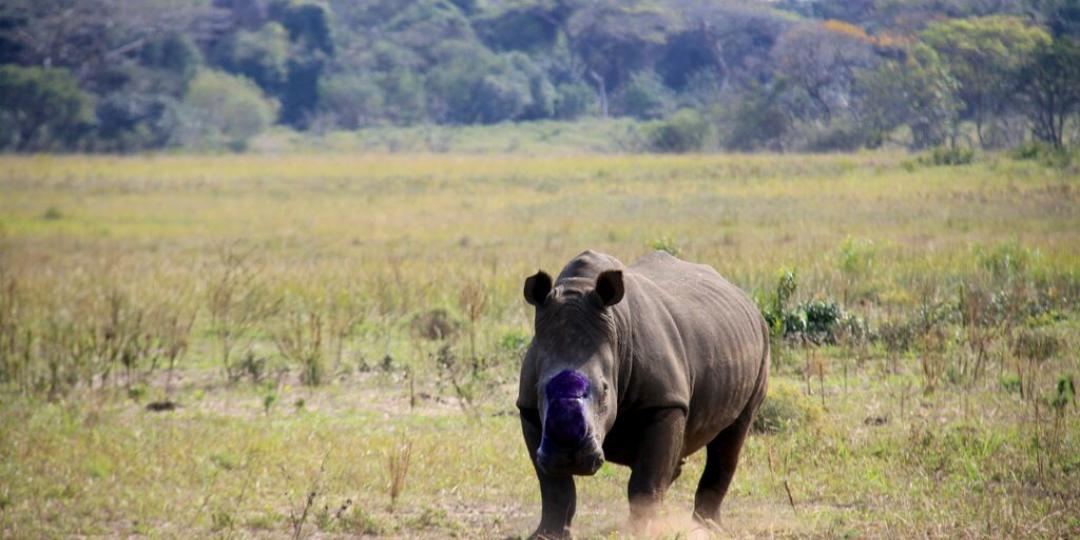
x: 790, y: 75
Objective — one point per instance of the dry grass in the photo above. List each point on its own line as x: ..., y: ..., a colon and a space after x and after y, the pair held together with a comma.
x: 394, y: 281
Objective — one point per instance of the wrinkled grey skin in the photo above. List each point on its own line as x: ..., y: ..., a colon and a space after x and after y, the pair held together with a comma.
x: 676, y: 360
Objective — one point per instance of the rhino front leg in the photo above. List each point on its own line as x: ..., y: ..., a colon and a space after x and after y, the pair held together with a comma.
x: 653, y: 470
x: 557, y: 493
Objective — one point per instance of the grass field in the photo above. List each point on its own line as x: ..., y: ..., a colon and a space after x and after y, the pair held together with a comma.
x: 341, y: 335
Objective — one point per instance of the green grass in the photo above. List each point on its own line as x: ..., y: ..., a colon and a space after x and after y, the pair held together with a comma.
x: 898, y: 441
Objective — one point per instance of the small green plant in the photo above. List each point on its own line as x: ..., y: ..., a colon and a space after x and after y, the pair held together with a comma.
x: 361, y: 522
x: 1004, y: 261
x: 1010, y: 383
x: 137, y: 392
x: 221, y: 520
x: 1065, y: 394
x: 268, y: 401
x: 665, y: 243
x: 856, y: 256
x: 514, y: 341
x: 299, y: 338
x: 52, y: 213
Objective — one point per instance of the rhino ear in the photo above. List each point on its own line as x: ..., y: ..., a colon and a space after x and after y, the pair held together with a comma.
x: 537, y: 288
x: 609, y: 287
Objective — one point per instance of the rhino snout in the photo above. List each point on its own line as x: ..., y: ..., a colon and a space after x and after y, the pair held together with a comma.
x: 569, y: 444
x: 584, y: 461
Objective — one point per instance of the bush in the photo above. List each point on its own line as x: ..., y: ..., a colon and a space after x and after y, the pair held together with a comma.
x: 261, y: 56
x: 758, y: 121
x: 351, y: 101
x: 573, y: 100
x: 840, y: 137
x: 470, y: 84
x: 646, y: 97
x: 822, y: 319
x: 41, y: 108
x: 785, y: 408
x: 684, y: 131
x: 949, y: 156
x: 1044, y: 153
x: 1037, y: 345
x: 228, y: 109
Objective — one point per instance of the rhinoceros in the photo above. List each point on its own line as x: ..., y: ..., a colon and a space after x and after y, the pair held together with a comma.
x: 642, y: 366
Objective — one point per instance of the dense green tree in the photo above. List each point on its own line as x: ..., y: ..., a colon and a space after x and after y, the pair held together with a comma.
x: 308, y: 23
x: 758, y: 121
x: 1062, y: 17
x: 91, y: 36
x: 918, y: 92
x: 175, y: 54
x: 646, y: 97
x: 41, y: 108
x: 354, y: 63
x: 261, y: 55
x: 1050, y: 85
x: 404, y: 96
x: 573, y: 100
x: 531, y: 26
x: 820, y: 59
x: 613, y: 39
x: 350, y: 100
x: 541, y: 102
x: 983, y: 54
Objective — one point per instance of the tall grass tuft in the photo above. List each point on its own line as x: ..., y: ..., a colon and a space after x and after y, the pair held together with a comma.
x: 398, y: 459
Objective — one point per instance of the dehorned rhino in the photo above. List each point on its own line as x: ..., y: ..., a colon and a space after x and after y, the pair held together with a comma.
x: 639, y: 365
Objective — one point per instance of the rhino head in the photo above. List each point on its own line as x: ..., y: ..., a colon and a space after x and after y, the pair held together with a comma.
x: 575, y: 350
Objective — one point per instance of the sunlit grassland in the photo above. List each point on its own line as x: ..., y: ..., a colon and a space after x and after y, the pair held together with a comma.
x: 897, y: 449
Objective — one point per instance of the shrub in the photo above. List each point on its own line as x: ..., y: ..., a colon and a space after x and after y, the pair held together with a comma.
x: 646, y: 97
x: 785, y: 408
x: 41, y: 108
x: 229, y: 109
x: 758, y: 121
x: 949, y: 156
x: 573, y: 100
x: 684, y: 131
x: 352, y: 101
x: 1045, y: 153
x: 840, y: 137
x: 822, y: 319
x: 1037, y: 345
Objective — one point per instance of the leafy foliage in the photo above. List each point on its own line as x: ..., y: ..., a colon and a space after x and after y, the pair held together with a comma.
x: 229, y: 109
x: 802, y: 76
x: 41, y: 108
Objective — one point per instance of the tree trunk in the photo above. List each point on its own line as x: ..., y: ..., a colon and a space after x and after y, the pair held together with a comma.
x: 601, y: 92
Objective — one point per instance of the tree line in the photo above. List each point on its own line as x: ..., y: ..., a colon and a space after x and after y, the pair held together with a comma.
x: 799, y: 75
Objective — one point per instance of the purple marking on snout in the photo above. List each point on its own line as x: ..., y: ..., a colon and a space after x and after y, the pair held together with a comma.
x: 567, y: 384
x: 565, y: 423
